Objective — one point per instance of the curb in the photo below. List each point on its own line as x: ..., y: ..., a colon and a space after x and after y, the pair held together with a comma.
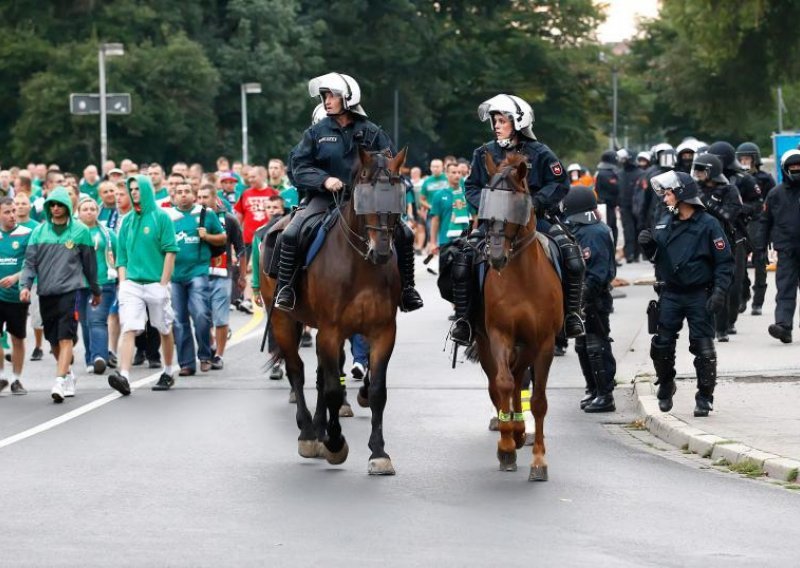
x: 678, y: 433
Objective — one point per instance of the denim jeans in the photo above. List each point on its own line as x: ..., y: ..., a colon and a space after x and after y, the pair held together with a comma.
x: 94, y: 321
x: 191, y: 299
x: 359, y: 348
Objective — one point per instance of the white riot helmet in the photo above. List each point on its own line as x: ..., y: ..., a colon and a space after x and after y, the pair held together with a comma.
x: 664, y: 155
x: 520, y: 113
x: 318, y: 114
x: 341, y: 85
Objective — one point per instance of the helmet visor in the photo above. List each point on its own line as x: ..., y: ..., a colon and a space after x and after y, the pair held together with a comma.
x: 666, y: 181
x: 332, y: 82
x: 667, y: 159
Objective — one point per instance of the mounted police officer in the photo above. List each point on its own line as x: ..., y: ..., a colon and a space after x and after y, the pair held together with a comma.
x: 780, y: 225
x: 322, y: 163
x: 749, y: 155
x: 694, y: 267
x: 511, y: 120
x: 594, y: 349
x: 607, y: 186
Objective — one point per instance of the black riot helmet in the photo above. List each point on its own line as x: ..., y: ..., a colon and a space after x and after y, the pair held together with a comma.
x: 791, y: 158
x: 609, y: 157
x: 680, y: 183
x: 579, y: 206
x: 749, y: 149
x: 727, y: 155
x: 711, y: 164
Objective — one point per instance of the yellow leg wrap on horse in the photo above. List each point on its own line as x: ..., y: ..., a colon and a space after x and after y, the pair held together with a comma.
x: 526, y: 400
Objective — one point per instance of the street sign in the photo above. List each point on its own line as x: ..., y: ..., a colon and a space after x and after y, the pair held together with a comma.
x: 89, y: 103
x: 782, y: 143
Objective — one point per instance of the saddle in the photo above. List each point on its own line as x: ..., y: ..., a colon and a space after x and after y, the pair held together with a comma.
x: 312, y: 237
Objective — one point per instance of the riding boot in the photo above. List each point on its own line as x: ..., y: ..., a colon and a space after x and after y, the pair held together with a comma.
x: 590, y: 393
x: 663, y: 357
x: 573, y: 269
x: 604, y: 402
x: 705, y: 364
x: 461, y: 332
x: 410, y: 299
x: 285, y: 298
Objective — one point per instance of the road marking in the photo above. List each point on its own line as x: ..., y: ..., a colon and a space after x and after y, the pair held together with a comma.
x: 246, y: 332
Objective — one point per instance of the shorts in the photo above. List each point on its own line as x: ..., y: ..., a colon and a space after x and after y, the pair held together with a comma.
x: 219, y: 289
x: 60, y: 317
x: 136, y: 301
x: 14, y: 318
x: 36, y: 313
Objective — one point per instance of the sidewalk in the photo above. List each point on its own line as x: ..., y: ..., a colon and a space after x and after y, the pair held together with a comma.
x: 756, y: 417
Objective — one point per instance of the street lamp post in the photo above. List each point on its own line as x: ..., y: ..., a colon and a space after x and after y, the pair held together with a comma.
x: 247, y: 89
x: 110, y: 50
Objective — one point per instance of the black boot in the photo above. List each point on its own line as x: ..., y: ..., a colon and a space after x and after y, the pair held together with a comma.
x: 285, y: 297
x: 705, y: 364
x: 410, y: 299
x: 573, y: 269
x: 586, y: 369
x: 780, y: 331
x: 664, y: 362
x: 461, y: 332
x: 604, y: 402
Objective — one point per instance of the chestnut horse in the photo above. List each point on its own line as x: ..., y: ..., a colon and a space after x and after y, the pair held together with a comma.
x: 522, y: 312
x: 353, y: 286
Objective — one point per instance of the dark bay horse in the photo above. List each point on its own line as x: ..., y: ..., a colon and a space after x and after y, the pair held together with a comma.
x: 353, y: 286
x: 522, y: 310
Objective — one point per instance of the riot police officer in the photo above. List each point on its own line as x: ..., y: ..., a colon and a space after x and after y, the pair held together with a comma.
x: 594, y: 348
x: 629, y: 173
x: 723, y: 202
x: 694, y: 266
x: 323, y: 163
x: 780, y: 225
x: 749, y: 155
x: 607, y: 186
x: 686, y: 151
x: 650, y: 209
x: 511, y: 121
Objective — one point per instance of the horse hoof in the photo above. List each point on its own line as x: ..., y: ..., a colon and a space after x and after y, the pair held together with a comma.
x: 508, y: 460
x: 380, y: 466
x: 308, y: 448
x: 335, y: 458
x: 292, y: 397
x: 494, y: 424
x: 538, y: 473
x: 346, y: 411
x: 362, y: 400
x: 529, y: 439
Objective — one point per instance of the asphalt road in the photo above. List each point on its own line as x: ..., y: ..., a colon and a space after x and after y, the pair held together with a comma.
x: 208, y: 475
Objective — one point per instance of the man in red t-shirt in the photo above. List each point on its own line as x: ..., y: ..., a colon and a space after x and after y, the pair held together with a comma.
x: 251, y: 210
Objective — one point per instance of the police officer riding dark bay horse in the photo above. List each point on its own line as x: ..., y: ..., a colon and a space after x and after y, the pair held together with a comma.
x: 354, y: 285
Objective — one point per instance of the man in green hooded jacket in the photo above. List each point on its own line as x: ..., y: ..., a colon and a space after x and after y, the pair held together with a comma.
x: 146, y: 249
x: 60, y: 255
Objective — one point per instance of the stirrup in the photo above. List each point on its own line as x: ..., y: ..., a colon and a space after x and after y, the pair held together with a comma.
x: 286, y: 307
x: 460, y: 341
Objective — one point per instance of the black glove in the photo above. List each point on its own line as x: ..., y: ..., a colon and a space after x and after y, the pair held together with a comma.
x: 645, y: 237
x: 715, y: 301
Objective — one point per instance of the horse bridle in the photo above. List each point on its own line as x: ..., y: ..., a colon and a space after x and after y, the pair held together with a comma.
x: 499, y: 182
x: 382, y: 178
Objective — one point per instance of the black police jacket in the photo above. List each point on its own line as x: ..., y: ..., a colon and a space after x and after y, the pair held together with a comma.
x: 329, y: 150
x: 780, y: 222
x: 750, y: 192
x: 547, y: 179
x: 628, y: 178
x: 606, y: 184
x: 765, y: 182
x: 725, y: 204
x: 597, y: 246
x: 691, y: 254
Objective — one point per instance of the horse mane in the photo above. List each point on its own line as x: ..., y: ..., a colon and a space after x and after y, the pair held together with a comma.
x: 514, y: 160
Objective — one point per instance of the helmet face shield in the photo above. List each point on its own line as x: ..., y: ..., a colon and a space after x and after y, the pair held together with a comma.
x: 664, y: 182
x: 667, y: 159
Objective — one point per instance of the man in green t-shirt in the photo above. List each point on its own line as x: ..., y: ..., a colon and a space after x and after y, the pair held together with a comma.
x: 195, y: 229
x: 13, y: 313
x: 434, y: 183
x: 276, y: 171
x: 90, y: 184
x: 449, y: 210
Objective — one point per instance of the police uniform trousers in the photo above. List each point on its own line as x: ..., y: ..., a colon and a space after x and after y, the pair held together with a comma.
x: 787, y: 279
x: 677, y: 305
x: 727, y: 316
x: 594, y: 348
x: 759, y: 268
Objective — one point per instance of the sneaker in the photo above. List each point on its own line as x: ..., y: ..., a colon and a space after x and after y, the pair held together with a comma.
x: 186, y: 372
x: 358, y: 371
x: 276, y: 374
x: 58, y: 390
x: 69, y: 384
x: 205, y: 366
x: 119, y: 383
x: 99, y: 366
x: 154, y: 364
x: 165, y: 382
x: 139, y: 358
x: 37, y: 354
x: 90, y: 369
x: 112, y: 360
x: 246, y: 306
x: 17, y: 388
x: 216, y: 363
x: 3, y: 384
x: 306, y: 340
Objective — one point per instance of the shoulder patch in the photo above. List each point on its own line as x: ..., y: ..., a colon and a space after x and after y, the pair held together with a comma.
x: 719, y: 243
x: 556, y: 168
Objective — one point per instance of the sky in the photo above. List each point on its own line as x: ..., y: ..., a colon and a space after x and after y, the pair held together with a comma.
x: 622, y: 14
